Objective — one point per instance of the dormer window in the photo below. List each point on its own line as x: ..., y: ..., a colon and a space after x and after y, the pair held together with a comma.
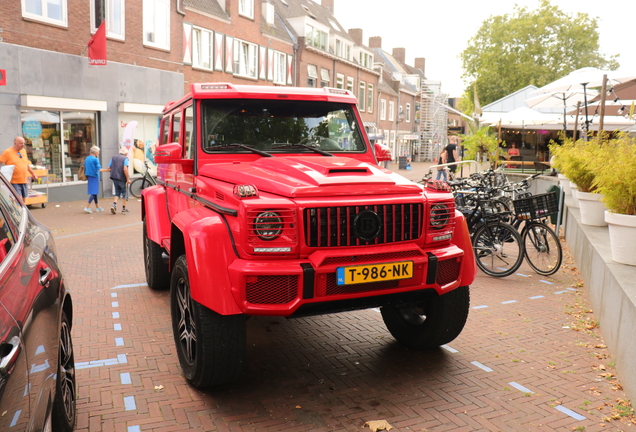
x: 246, y: 8
x: 316, y: 37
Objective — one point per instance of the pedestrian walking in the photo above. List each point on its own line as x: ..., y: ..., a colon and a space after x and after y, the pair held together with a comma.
x: 118, y: 168
x: 92, y: 168
x: 16, y: 156
x: 441, y: 171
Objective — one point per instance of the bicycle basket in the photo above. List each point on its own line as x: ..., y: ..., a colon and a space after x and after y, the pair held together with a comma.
x: 536, y: 206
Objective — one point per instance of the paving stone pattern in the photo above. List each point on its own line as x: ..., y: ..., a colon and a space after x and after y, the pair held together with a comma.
x: 530, y: 357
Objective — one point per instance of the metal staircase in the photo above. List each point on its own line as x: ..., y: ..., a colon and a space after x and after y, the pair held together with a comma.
x: 433, y: 120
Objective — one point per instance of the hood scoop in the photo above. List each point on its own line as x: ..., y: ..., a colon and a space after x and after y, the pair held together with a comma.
x: 348, y: 171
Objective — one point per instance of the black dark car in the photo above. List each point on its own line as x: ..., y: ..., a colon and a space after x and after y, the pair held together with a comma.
x: 37, y: 367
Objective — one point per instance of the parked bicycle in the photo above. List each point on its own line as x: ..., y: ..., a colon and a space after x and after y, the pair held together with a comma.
x: 497, y: 245
x: 142, y: 182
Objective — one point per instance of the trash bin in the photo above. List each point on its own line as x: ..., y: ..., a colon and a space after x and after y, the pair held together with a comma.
x: 403, y: 162
x: 561, y: 197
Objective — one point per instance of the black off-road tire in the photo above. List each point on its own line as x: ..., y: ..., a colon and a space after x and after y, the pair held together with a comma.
x: 157, y: 273
x: 64, y: 405
x: 431, y: 323
x: 211, y: 347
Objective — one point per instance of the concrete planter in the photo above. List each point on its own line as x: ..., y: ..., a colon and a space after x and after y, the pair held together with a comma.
x: 575, y: 199
x: 592, y: 208
x: 622, y: 234
x: 565, y: 184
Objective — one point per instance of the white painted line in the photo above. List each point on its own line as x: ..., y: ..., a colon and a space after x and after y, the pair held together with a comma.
x: 115, y: 304
x: 15, y: 419
x: 376, y: 310
x: 561, y: 292
x: 119, y: 341
x: 569, y: 412
x: 481, y: 366
x: 449, y: 349
x: 40, y: 350
x: 117, y: 327
x: 113, y: 294
x: 121, y: 359
x: 522, y: 275
x: 125, y: 378
x: 571, y: 289
x: 536, y: 297
x: 134, y: 429
x: 480, y: 307
x: 129, y: 403
x: 546, y: 282
x: 129, y: 286
x: 115, y: 315
x: 99, y: 230
x: 520, y: 387
x: 40, y: 368
x: 509, y: 301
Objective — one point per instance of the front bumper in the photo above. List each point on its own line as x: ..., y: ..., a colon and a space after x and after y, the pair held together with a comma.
x: 296, y: 287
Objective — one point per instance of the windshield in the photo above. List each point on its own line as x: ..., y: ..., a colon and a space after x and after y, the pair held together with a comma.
x: 279, y: 126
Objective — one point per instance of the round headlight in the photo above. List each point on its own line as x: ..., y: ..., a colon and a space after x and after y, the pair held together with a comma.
x: 439, y: 215
x: 268, y: 225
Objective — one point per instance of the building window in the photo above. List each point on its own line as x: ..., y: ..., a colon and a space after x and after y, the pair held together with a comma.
x: 408, y: 113
x: 280, y: 63
x: 350, y: 84
x: 157, y: 23
x: 366, y: 60
x: 113, y: 12
x: 316, y: 37
x: 50, y: 11
x: 391, y: 111
x: 382, y: 109
x: 362, y: 92
x: 369, y: 97
x: 324, y: 78
x: 340, y: 81
x: 246, y: 8
x: 312, y: 75
x: 245, y: 58
x: 201, y: 48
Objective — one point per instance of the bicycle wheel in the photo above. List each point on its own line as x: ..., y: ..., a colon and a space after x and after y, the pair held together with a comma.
x: 501, y: 206
x: 498, y: 249
x: 542, y: 248
x: 137, y: 186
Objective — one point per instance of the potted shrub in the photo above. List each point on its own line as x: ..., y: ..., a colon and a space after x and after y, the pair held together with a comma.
x: 616, y: 180
x: 559, y: 162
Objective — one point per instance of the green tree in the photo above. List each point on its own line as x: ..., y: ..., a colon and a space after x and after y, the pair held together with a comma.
x: 530, y: 47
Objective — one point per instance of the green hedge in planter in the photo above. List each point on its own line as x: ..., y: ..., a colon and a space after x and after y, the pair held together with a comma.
x: 615, y: 174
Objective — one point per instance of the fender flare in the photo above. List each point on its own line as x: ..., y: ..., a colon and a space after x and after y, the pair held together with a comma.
x: 461, y: 239
x: 153, y: 201
x: 207, y: 243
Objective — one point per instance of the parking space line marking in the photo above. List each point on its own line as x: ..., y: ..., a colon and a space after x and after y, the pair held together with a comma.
x: 117, y: 327
x: 99, y: 230
x: 121, y: 359
x: 481, y: 366
x: 125, y: 378
x: 569, y: 412
x: 560, y: 292
x: 522, y: 275
x: 129, y: 286
x: 115, y: 304
x: 546, y: 282
x: 40, y: 368
x: 571, y: 289
x: 449, y: 349
x: 129, y: 403
x: 40, y: 350
x: 134, y: 429
x: 16, y: 416
x: 480, y: 307
x: 536, y: 297
x: 509, y: 301
x: 520, y: 387
x: 115, y: 315
x: 119, y: 341
x: 113, y: 294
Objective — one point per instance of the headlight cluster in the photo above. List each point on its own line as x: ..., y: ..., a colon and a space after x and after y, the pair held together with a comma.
x: 440, y: 215
x: 268, y: 225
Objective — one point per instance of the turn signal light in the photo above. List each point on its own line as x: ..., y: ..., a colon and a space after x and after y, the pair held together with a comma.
x: 437, y: 185
x: 245, y: 191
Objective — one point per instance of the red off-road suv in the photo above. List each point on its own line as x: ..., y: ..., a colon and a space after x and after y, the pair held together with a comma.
x: 271, y: 202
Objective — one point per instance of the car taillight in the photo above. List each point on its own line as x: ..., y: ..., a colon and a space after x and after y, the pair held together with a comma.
x: 268, y: 225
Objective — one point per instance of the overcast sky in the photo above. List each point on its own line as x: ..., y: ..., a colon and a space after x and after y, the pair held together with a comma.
x: 439, y: 30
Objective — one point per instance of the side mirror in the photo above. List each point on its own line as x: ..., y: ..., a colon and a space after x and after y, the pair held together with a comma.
x: 168, y: 153
x: 382, y: 152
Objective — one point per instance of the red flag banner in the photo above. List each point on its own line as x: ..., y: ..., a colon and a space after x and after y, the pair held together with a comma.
x: 97, y: 47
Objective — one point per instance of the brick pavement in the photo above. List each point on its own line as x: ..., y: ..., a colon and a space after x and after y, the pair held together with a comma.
x: 530, y: 358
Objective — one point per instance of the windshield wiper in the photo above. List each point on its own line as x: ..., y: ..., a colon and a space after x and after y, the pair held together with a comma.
x: 253, y: 150
x: 314, y: 149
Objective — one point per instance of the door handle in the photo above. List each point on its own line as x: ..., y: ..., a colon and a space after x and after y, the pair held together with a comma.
x: 46, y: 274
x: 9, y: 352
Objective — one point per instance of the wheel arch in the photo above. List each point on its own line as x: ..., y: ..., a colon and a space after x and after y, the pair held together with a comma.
x: 462, y: 240
x: 153, y: 201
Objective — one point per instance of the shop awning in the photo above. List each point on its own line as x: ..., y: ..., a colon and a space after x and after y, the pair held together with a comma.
x: 370, y: 125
